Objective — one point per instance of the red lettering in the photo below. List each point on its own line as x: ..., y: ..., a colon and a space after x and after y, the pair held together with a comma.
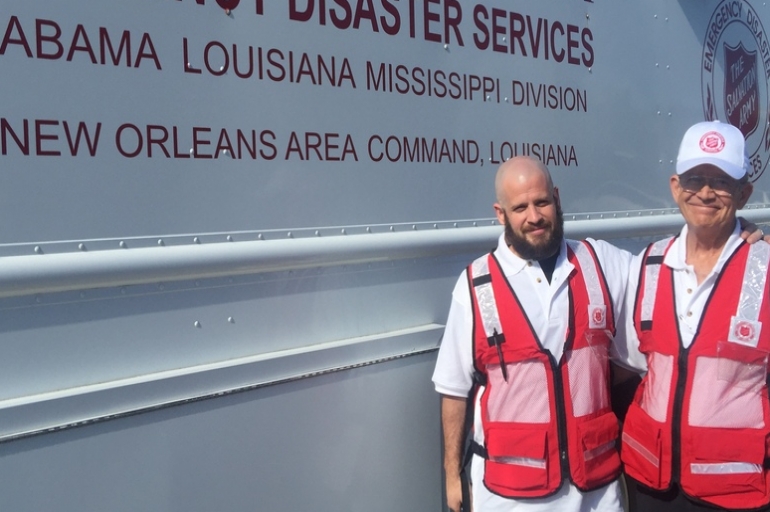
x: 54, y: 39
x: 40, y: 137
x: 80, y: 32
x: 119, y: 140
x: 198, y: 142
x: 429, y: 17
x: 21, y: 40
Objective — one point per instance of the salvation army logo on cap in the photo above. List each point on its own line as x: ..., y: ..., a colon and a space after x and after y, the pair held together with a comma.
x: 597, y: 316
x: 743, y: 331
x: 712, y: 142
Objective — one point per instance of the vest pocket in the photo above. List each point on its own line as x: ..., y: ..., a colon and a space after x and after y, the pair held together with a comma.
x: 600, y: 461
x: 516, y: 459
x: 724, y: 462
x: 641, y: 447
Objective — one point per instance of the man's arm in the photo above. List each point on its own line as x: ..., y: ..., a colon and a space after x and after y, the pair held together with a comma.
x: 452, y: 422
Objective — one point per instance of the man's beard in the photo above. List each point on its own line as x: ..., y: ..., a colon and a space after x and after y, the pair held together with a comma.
x: 548, y: 247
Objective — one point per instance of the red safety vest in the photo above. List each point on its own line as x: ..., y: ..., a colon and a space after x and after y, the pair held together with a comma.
x: 701, y: 415
x: 544, y: 420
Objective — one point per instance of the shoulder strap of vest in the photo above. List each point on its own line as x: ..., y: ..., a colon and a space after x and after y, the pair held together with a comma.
x: 594, y: 279
x: 481, y: 283
x: 745, y: 325
x: 650, y: 271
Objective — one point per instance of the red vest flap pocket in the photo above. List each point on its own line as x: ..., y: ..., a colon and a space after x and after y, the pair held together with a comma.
x: 516, y: 464
x: 745, y: 446
x: 599, y: 432
x: 507, y: 442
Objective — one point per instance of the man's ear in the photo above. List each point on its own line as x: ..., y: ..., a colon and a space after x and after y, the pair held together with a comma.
x: 745, y: 194
x: 500, y: 213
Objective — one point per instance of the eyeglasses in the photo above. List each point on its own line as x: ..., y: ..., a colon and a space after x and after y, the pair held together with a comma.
x: 724, y: 187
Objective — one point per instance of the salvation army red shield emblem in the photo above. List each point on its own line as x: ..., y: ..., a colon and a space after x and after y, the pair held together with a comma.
x: 744, y: 331
x: 597, y: 316
x: 741, y: 88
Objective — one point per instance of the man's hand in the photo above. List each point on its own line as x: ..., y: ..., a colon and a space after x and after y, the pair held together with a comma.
x: 454, y: 492
x: 452, y: 420
x: 751, y: 232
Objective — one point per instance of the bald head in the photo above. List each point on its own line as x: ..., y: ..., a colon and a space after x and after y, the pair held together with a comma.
x: 518, y: 171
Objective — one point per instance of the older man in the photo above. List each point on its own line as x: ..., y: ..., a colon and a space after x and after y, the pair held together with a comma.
x: 696, y: 435
x: 529, y: 331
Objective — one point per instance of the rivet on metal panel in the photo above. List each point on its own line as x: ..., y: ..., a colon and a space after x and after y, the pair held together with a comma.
x: 82, y: 247
x: 657, y: 64
x: 229, y: 238
x: 82, y: 295
x: 196, y: 240
x: 658, y: 112
x: 197, y: 324
x: 505, y: 39
x: 446, y: 47
x: 38, y: 299
x: 230, y: 280
x: 221, y: 68
x: 392, y: 228
x: 197, y: 283
x: 38, y: 250
x: 573, y: 217
x: 227, y: 12
x: 191, y: 151
x: 490, y: 158
x: 666, y: 19
x: 122, y: 244
x: 601, y: 215
x: 231, y: 319
x: 368, y: 229
x: 587, y: 16
x: 160, y: 241
x: 669, y: 114
x: 289, y: 235
x: 671, y: 161
x: 260, y: 237
x: 343, y: 231
x: 506, y: 99
x: 474, y: 223
x: 317, y: 233
x: 590, y: 70
x: 660, y: 161
x: 668, y: 67
x: 161, y: 286
x: 123, y: 290
x: 414, y: 226
x: 488, y: 97
x: 491, y: 222
x: 588, y: 217
x: 655, y: 16
x: 455, y: 224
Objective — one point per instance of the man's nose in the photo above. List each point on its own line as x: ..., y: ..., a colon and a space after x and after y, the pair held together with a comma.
x: 534, y: 215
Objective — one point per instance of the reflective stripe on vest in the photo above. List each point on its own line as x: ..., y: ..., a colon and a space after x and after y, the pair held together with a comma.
x: 651, y: 272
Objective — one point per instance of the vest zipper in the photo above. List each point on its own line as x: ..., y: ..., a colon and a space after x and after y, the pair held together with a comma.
x: 676, y: 414
x: 561, y: 417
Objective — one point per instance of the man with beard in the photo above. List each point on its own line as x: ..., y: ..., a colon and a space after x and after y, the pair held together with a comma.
x: 527, y: 345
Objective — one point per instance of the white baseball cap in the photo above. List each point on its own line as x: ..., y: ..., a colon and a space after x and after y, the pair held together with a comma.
x: 711, y: 142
